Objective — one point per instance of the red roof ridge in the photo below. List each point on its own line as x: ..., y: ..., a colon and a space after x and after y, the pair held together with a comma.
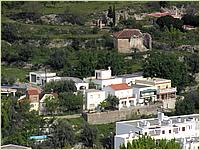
x: 121, y: 86
x: 127, y: 33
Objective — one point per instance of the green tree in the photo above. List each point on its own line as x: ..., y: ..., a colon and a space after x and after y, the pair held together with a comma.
x: 114, y: 16
x: 192, y: 61
x: 18, y: 124
x: 89, y: 135
x: 164, y: 4
x: 169, y: 21
x: 95, y: 30
x: 69, y: 102
x: 187, y: 105
x: 192, y: 20
x: 166, y: 66
x: 63, y: 134
x: 146, y: 142
x: 113, y: 102
x: 60, y: 86
x: 173, y: 36
x: 58, y: 59
x: 51, y: 104
x: 110, y: 12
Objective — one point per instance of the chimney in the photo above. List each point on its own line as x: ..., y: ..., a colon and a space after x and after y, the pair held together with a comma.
x: 179, y: 119
x: 109, y: 68
x: 130, y: 134
x: 160, y: 116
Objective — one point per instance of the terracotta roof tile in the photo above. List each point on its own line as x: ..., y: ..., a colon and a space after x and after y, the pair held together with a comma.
x: 127, y: 34
x: 122, y: 86
x: 33, y: 92
x: 158, y: 14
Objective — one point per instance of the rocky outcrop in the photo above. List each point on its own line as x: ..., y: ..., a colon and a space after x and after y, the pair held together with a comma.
x: 53, y: 19
x: 162, y: 46
x: 188, y: 48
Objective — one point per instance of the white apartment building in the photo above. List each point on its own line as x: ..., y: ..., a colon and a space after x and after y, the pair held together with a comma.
x: 130, y: 78
x: 123, y: 92
x: 185, y: 129
x: 40, y: 77
x: 165, y: 93
x: 103, y: 78
x: 93, y: 98
x: 145, y: 94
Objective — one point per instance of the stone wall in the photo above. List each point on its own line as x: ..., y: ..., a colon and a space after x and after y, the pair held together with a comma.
x: 113, y: 116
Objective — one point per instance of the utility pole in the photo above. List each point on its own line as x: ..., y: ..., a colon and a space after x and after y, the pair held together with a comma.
x: 45, y: 76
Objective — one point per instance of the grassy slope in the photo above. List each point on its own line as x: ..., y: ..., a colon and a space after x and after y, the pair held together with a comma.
x: 14, y: 72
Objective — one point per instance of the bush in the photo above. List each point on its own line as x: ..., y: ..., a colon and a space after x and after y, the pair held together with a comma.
x: 25, y: 16
x: 169, y: 22
x: 191, y: 20
x: 73, y: 18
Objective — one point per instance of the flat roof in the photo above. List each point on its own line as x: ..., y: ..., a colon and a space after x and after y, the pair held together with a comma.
x: 13, y: 146
x: 75, y: 79
x: 93, y: 90
x: 140, y: 86
x: 154, y: 80
x: 154, y: 121
x: 136, y: 74
x: 42, y: 72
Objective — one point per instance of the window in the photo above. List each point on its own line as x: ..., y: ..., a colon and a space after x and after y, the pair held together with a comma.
x: 170, y: 131
x: 163, y: 131
x: 91, y: 96
x: 145, y: 133
x: 98, y: 95
x: 183, y: 128
x: 33, y: 78
x: 38, y: 78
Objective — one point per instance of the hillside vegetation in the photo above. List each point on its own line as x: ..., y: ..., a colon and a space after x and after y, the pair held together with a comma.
x: 59, y: 36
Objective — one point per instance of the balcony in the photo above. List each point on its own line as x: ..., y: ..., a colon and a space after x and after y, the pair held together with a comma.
x: 167, y: 90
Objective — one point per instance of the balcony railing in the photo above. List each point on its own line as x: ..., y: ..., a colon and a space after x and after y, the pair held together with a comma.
x: 167, y: 90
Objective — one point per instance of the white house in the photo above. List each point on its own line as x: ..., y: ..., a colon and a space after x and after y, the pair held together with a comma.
x: 93, y: 98
x: 130, y: 78
x: 8, y: 90
x: 123, y: 92
x: 42, y: 104
x: 183, y: 128
x: 103, y: 78
x: 145, y: 94
x: 40, y: 77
